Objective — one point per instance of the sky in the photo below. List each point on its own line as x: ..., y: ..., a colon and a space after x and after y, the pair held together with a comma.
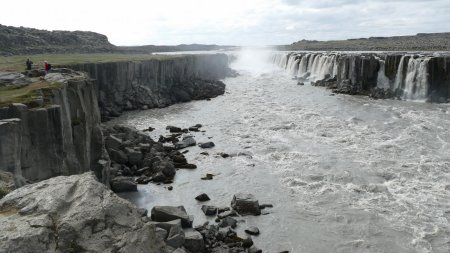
x: 231, y: 22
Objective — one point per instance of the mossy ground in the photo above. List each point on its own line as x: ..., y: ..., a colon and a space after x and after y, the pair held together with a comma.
x: 17, y: 62
x: 25, y: 94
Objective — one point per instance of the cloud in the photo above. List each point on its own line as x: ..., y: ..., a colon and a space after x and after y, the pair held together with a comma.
x: 249, y: 22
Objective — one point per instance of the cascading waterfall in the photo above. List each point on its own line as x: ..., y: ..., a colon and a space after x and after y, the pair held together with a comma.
x: 416, y: 82
x: 411, y: 79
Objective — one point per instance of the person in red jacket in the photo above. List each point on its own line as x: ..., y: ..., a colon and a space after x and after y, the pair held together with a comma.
x: 47, y: 67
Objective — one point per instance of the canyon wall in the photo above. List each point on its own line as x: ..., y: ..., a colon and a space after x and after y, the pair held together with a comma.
x: 58, y: 132
x: 57, y: 135
x: 157, y: 82
x: 404, y: 76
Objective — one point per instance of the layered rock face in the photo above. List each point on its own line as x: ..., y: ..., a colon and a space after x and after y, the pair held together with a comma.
x: 405, y: 76
x: 58, y: 134
x: 156, y: 83
x: 74, y: 214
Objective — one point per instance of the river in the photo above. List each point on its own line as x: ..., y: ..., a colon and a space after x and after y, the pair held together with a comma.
x: 344, y: 173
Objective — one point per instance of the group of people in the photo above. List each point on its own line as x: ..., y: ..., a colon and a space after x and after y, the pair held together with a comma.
x: 47, y: 66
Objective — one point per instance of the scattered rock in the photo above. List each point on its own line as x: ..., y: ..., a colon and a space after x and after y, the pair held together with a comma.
x: 193, y: 241
x: 223, y: 155
x: 208, y: 177
x: 174, y: 129
x: 189, y: 166
x: 204, y: 153
x: 202, y: 197
x: 123, y: 184
x: 149, y: 129
x: 253, y: 249
x: 247, y: 242
x: 245, y: 204
x: 112, y: 142
x: 252, y: 230
x: 225, y: 214
x: 170, y: 188
x: 209, y: 210
x: 228, y: 222
x: 170, y: 213
x: 209, y: 144
x: 263, y: 206
x: 118, y: 156
x: 187, y: 141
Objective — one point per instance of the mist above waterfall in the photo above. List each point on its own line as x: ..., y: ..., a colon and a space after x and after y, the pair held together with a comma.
x: 255, y: 60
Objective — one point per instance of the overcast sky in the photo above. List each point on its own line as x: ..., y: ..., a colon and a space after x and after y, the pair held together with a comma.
x: 230, y: 22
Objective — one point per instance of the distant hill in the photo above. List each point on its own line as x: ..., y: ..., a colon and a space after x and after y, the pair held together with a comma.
x: 22, y: 40
x: 182, y: 47
x: 419, y: 42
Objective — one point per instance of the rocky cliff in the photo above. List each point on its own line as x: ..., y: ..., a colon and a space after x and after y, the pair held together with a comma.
x: 156, y: 83
x: 381, y: 75
x: 58, y: 133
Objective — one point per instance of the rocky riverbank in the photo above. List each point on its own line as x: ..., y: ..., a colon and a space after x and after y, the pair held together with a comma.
x: 56, y: 130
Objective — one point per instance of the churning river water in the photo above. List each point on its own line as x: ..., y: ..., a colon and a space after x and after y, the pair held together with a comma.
x: 344, y: 173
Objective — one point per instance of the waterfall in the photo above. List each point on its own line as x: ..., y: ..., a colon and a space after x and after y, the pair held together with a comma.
x: 416, y: 82
x: 382, y: 79
x: 302, y: 68
x: 398, y: 84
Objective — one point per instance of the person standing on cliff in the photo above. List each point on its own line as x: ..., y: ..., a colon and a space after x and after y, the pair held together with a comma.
x: 46, y: 67
x: 29, y: 64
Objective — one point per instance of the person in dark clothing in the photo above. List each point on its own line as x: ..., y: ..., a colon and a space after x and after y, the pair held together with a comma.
x: 29, y: 64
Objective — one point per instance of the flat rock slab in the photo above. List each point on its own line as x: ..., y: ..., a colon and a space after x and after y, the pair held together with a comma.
x: 170, y: 213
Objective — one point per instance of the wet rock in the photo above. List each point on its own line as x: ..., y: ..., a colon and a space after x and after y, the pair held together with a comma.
x: 161, y: 233
x: 204, y: 153
x: 167, y: 168
x: 123, y: 184
x: 193, y: 241
x: 189, y: 166
x: 228, y: 222
x: 209, y: 144
x: 300, y: 83
x: 118, y: 156
x: 226, y: 214
x: 149, y: 129
x: 134, y: 156
x: 247, y: 242
x: 252, y: 230
x: 170, y: 188
x: 209, y: 210
x: 208, y: 177
x: 112, y: 142
x: 187, y: 141
x: 223, y: 155
x: 245, y: 204
x: 263, y: 206
x: 202, y: 197
x: 176, y: 236
x: 194, y: 129
x: 170, y: 213
x: 174, y: 129
x: 253, y: 249
x: 224, y: 209
x: 159, y: 177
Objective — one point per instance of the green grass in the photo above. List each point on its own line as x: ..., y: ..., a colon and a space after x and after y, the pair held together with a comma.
x: 25, y: 94
x: 17, y: 62
x: 4, y: 191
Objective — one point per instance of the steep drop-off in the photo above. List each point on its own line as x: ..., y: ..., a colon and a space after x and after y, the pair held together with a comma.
x: 381, y: 75
x: 156, y: 83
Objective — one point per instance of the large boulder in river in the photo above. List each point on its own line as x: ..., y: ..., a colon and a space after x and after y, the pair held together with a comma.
x: 170, y: 213
x: 245, y: 203
x: 73, y: 214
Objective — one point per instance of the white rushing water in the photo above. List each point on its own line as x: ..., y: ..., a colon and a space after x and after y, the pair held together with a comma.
x: 345, y: 173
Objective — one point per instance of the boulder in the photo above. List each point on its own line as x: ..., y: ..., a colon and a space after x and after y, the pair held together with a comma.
x: 76, y: 213
x: 252, y: 230
x: 123, y: 184
x: 202, y: 197
x: 170, y: 213
x: 176, y: 235
x: 112, y: 142
x: 209, y: 144
x: 193, y: 241
x: 187, y: 141
x: 209, y: 210
x: 228, y: 222
x: 247, y: 242
x: 174, y: 129
x: 134, y: 156
x: 118, y: 156
x: 253, y: 249
x: 245, y: 204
